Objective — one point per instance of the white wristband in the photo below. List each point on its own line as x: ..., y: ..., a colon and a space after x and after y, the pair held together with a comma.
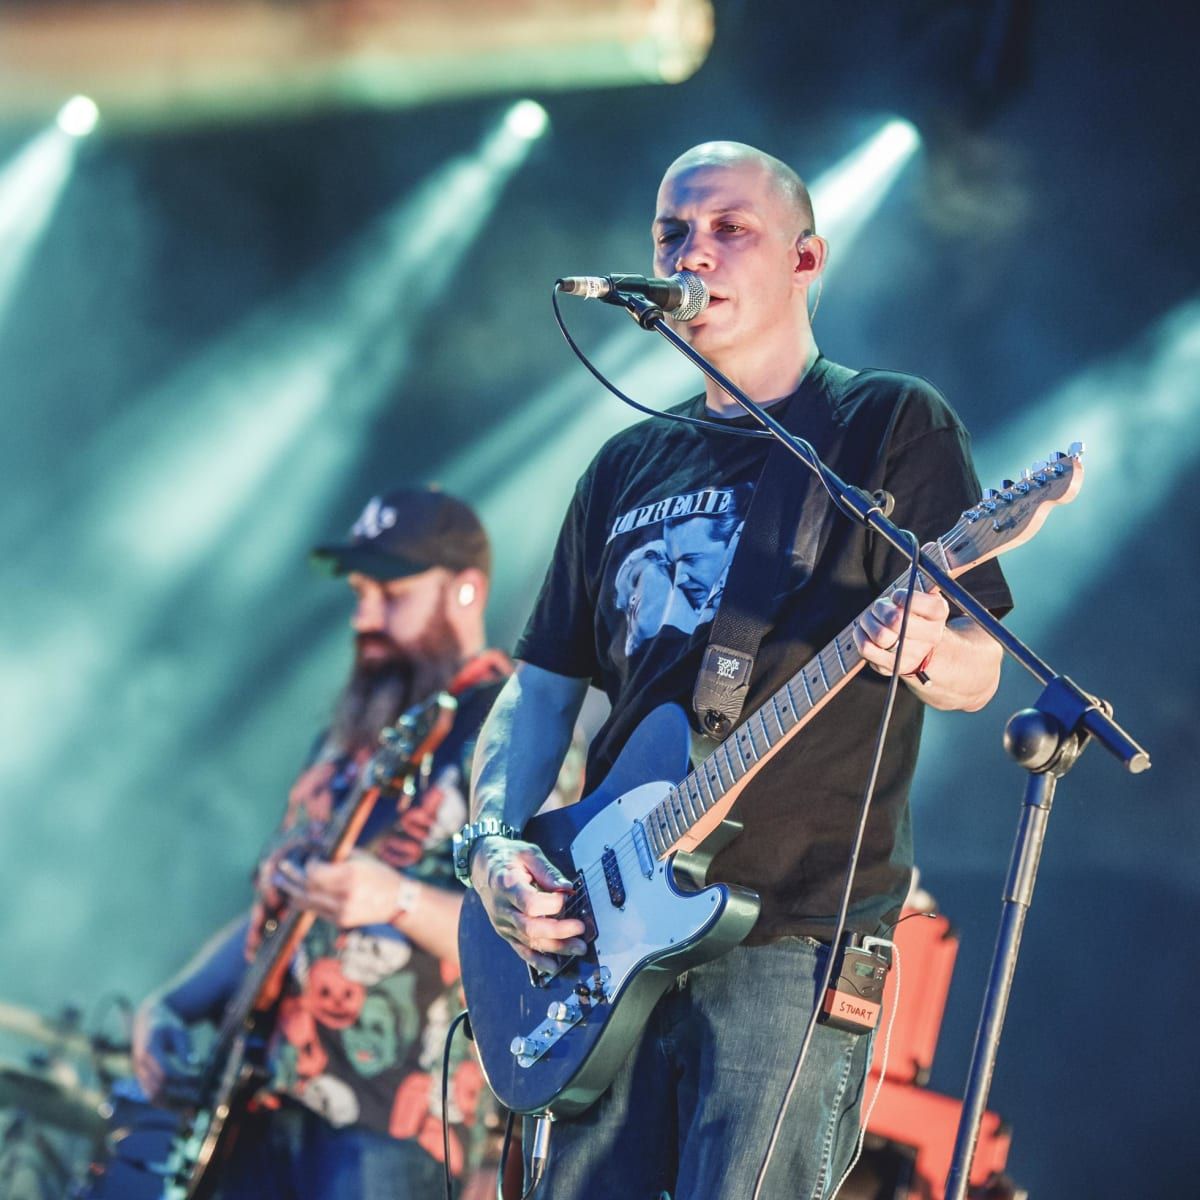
x: 408, y: 896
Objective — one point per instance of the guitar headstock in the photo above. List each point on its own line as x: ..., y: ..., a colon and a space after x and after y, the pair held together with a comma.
x: 1013, y: 513
x: 413, y: 738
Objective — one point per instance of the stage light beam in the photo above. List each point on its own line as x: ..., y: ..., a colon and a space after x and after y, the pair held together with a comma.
x: 848, y: 195
x: 1138, y: 413
x: 31, y: 184
x: 226, y: 470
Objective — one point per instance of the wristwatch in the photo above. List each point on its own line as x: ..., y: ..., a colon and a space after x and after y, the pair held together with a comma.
x: 468, y: 835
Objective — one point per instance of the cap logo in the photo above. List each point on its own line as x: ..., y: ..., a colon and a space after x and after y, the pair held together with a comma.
x: 375, y: 519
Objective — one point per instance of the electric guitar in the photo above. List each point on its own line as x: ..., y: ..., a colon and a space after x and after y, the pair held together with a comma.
x: 236, y: 1065
x: 638, y: 848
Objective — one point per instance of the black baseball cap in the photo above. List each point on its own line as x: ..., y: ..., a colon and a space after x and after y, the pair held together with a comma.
x: 407, y: 531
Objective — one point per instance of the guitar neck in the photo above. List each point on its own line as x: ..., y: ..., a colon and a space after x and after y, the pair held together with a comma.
x: 696, y: 805
x: 261, y: 984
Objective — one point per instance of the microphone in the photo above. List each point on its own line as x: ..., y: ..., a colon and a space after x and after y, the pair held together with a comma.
x: 682, y: 296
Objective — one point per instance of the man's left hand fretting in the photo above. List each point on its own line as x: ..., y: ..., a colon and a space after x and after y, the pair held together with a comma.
x: 878, y: 630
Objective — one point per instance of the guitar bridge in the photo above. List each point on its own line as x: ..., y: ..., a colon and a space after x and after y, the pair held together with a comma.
x: 561, y: 1017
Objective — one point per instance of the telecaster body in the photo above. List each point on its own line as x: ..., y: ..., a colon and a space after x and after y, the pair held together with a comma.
x: 651, y: 918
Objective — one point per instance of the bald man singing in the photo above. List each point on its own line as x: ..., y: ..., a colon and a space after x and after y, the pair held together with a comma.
x: 628, y: 604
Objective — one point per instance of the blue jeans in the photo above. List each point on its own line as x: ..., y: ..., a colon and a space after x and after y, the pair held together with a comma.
x: 293, y: 1154
x: 691, y: 1111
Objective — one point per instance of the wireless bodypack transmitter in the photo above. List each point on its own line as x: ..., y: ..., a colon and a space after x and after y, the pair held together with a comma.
x: 855, y: 997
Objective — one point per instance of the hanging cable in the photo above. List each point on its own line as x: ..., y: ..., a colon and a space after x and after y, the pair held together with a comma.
x: 848, y: 882
x: 461, y: 1019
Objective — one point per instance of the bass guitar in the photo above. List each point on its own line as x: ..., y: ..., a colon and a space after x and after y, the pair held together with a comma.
x: 637, y: 850
x: 235, y: 1068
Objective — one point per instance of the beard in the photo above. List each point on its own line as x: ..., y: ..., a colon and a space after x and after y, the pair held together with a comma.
x: 390, y: 680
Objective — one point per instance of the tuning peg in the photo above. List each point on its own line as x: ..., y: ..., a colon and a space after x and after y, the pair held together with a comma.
x: 1076, y: 450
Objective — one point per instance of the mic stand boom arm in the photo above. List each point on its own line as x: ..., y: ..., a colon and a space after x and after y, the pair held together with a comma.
x: 1046, y: 740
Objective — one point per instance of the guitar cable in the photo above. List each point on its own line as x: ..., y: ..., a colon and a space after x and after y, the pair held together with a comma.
x: 461, y: 1019
x: 883, y: 1062
x: 848, y: 882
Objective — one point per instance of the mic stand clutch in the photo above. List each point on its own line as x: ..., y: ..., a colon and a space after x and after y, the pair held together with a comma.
x: 1046, y: 740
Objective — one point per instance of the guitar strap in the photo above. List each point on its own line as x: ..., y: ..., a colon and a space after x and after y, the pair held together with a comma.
x: 788, y: 500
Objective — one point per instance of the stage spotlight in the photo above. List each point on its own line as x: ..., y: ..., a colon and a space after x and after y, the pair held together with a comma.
x: 78, y: 117
x: 527, y: 119
x: 896, y: 140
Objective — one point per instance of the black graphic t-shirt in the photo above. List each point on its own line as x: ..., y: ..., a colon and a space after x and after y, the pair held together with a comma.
x: 639, y: 570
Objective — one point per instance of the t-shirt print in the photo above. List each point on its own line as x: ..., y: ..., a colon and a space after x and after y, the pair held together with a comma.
x: 670, y: 559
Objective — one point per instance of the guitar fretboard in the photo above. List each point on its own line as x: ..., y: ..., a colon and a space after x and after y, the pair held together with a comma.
x: 766, y: 729
x: 277, y: 943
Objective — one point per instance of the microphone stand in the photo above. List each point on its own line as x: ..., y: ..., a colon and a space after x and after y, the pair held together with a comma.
x: 1046, y: 740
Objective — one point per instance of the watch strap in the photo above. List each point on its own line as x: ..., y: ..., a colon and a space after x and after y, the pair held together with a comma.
x: 469, y: 835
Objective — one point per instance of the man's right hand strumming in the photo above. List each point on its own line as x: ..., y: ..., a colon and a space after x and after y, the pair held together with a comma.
x: 520, y: 750
x: 525, y: 895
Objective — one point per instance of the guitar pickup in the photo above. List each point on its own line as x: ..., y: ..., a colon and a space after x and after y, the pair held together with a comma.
x: 642, y: 844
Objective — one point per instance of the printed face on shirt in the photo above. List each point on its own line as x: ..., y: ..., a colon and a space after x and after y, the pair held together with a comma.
x: 333, y: 1000
x: 643, y: 587
x: 673, y: 574
x: 367, y: 958
x: 698, y: 554
x: 732, y: 224
x: 332, y: 1099
x: 371, y: 1042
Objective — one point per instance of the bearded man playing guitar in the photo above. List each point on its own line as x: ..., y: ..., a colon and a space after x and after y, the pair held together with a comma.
x: 353, y: 1107
x: 627, y: 604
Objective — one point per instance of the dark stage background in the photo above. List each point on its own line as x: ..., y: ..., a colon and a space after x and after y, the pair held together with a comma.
x: 226, y: 338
